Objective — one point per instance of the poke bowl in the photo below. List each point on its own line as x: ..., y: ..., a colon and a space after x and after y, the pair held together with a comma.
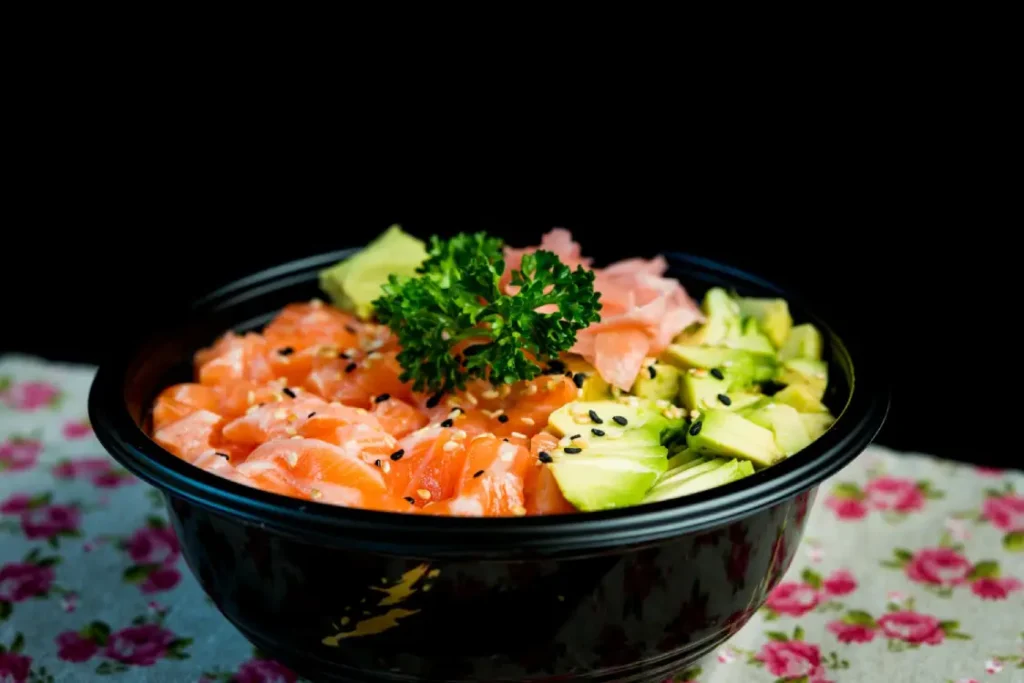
x: 480, y: 463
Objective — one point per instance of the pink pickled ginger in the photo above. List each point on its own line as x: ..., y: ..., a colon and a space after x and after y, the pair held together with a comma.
x: 642, y: 311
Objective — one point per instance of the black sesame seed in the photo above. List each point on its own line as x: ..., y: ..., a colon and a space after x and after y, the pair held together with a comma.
x: 456, y: 410
x: 556, y: 367
x: 397, y: 455
x: 478, y: 473
x: 597, y: 432
x: 717, y: 374
x: 575, y: 436
x: 619, y: 420
x: 377, y: 463
x: 311, y: 415
x: 568, y: 373
x: 595, y: 418
x: 342, y: 354
x: 286, y: 351
x: 572, y: 449
x: 651, y: 371
x: 505, y: 440
x: 260, y: 405
x: 434, y: 400
x: 447, y: 423
x: 350, y: 329
x: 544, y: 457
x: 224, y: 455
x: 288, y: 392
x: 503, y: 418
x: 382, y: 398
x: 578, y: 379
x: 350, y: 367
x: 412, y: 501
x: 726, y: 401
x: 695, y: 428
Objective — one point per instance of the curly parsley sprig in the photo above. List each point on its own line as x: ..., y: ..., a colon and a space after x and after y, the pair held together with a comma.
x: 456, y: 302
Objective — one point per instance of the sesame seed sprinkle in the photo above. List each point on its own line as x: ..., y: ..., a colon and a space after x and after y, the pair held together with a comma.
x: 519, y: 511
x: 725, y: 400
x: 289, y: 392
x: 377, y: 462
x: 545, y: 457
x: 280, y: 414
x: 434, y: 400
x: 520, y: 435
x: 397, y: 455
x: 450, y: 446
x: 386, y: 467
x: 594, y: 417
x: 727, y: 364
x: 527, y: 421
x: 597, y: 432
x: 286, y: 351
x: 620, y: 420
x: 478, y: 473
x: 315, y: 494
x: 531, y: 390
x: 578, y: 379
x: 695, y: 429
x: 573, y: 449
x: 489, y: 394
x: 717, y: 374
x: 382, y: 398
x: 350, y: 329
x: 251, y: 397
x: 471, y: 398
x: 447, y: 423
x: 503, y: 418
x: 651, y: 371
x: 423, y: 493
x: 223, y: 455
x: 459, y: 434
x: 290, y: 431
x: 350, y: 367
x: 411, y: 500
x: 311, y: 415
x: 574, y: 437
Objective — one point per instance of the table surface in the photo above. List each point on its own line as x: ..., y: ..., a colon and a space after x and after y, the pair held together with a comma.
x: 910, y: 568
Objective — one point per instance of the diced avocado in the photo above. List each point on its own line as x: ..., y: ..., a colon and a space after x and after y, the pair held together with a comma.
x: 816, y: 424
x: 700, y: 393
x: 723, y: 320
x: 773, y: 316
x: 646, y: 425
x: 752, y: 339
x: 811, y: 373
x: 801, y: 398
x: 676, y: 487
x: 663, y: 383
x: 740, y: 368
x: 684, y: 458
x: 784, y: 421
x: 354, y: 283
x: 594, y: 387
x: 804, y: 341
x: 724, y: 433
x: 602, y: 482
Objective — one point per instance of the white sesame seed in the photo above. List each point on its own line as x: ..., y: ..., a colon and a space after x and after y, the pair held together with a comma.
x: 316, y: 303
x: 251, y: 397
x: 361, y: 411
x: 280, y: 414
x: 661, y: 403
x: 552, y: 383
x: 490, y: 394
x: 580, y: 442
x: 505, y: 390
x: 386, y: 466
x: 292, y: 458
x: 528, y: 421
x: 564, y: 441
x: 315, y: 494
x: 297, y: 436
x: 351, y: 352
x: 520, y: 435
x: 459, y: 434
x: 423, y: 493
x: 694, y: 414
x: 375, y: 355
x: 519, y: 511
x: 450, y: 446
x: 531, y: 390
x: 727, y: 364
x: 251, y: 409
x: 471, y: 398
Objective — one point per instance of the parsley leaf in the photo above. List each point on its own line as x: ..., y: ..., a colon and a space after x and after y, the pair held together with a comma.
x: 455, y: 304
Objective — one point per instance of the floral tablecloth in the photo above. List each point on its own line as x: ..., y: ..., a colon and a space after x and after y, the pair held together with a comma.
x: 911, y: 569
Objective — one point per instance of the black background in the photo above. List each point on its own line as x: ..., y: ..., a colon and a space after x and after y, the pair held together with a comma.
x: 869, y: 245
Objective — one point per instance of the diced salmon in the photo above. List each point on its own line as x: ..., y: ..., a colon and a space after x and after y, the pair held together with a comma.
x: 355, y: 383
x: 431, y: 460
x: 276, y: 420
x: 302, y: 325
x: 180, y: 400
x: 310, y: 463
x: 397, y: 417
x: 191, y: 436
x: 541, y: 491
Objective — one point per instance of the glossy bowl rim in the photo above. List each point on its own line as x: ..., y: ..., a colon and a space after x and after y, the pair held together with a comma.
x: 856, y: 425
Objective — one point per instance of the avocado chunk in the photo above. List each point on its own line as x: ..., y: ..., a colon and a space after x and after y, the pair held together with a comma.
x: 811, y: 373
x: 741, y: 400
x: 816, y: 424
x: 784, y: 421
x: 602, y: 482
x: 772, y: 315
x: 594, y: 387
x: 804, y: 341
x: 660, y: 381
x: 752, y: 339
x: 353, y: 284
x: 645, y: 423
x: 684, y: 458
x: 740, y: 368
x: 724, y: 433
x: 720, y: 473
x: 801, y: 398
x: 723, y: 320
x: 701, y: 392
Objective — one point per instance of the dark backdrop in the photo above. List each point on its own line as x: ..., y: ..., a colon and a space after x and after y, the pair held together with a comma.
x: 180, y: 241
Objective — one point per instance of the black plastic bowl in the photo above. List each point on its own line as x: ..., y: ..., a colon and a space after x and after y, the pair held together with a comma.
x: 357, y: 595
